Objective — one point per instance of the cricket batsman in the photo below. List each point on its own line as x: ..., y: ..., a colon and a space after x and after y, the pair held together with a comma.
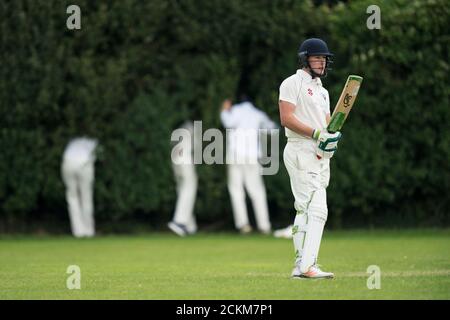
x: 305, y: 113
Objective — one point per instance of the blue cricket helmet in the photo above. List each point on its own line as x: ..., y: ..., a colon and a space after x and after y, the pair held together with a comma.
x: 314, y: 47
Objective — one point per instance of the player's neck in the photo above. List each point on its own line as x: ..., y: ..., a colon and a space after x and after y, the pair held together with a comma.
x: 311, y: 73
x: 307, y: 71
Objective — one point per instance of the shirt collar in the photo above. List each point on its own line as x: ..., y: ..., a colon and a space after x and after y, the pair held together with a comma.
x: 307, y: 77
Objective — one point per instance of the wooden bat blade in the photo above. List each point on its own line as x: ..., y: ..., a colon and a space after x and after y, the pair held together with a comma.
x: 345, y: 103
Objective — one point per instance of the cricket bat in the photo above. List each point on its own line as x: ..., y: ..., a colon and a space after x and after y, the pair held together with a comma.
x: 345, y: 103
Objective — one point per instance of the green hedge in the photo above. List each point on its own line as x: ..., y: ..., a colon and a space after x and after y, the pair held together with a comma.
x: 136, y: 68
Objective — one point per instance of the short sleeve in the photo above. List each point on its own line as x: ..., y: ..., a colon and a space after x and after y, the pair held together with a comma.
x: 288, y: 91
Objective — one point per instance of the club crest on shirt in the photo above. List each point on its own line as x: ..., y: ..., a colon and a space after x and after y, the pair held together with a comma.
x: 310, y: 92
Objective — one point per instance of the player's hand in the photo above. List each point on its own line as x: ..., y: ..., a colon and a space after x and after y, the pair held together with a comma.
x: 226, y: 104
x: 323, y: 135
x: 326, y: 143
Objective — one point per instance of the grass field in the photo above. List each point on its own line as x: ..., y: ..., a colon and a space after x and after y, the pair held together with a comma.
x: 414, y: 265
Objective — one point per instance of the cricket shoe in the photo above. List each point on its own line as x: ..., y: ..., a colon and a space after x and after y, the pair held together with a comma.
x: 314, y: 272
x: 245, y: 229
x: 284, y: 233
x: 179, y: 229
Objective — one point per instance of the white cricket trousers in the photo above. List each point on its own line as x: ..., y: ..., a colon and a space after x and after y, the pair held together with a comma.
x: 186, y: 180
x: 309, y: 179
x: 248, y: 176
x: 78, y: 179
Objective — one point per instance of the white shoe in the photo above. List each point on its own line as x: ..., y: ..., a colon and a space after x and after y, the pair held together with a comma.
x: 246, y: 229
x: 314, y: 272
x: 284, y: 233
x: 296, y: 272
x: 179, y: 229
x: 265, y: 232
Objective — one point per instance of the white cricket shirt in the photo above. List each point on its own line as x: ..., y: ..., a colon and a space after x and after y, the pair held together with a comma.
x: 182, y: 152
x: 243, y: 121
x: 80, y: 150
x: 311, y: 100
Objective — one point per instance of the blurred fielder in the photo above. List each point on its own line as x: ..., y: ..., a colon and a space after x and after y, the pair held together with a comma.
x: 183, y: 222
x: 77, y: 170
x: 244, y: 171
x: 305, y: 112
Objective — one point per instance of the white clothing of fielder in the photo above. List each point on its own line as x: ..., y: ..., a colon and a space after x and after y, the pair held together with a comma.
x: 186, y: 181
x: 309, y: 176
x: 284, y: 233
x: 78, y: 175
x: 244, y: 172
